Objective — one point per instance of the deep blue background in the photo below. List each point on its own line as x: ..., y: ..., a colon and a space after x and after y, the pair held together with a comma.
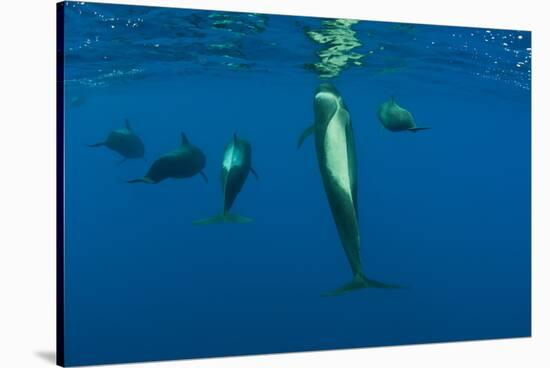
x: 445, y: 212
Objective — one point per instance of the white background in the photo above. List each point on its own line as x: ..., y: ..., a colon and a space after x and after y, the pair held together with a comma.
x: 27, y: 182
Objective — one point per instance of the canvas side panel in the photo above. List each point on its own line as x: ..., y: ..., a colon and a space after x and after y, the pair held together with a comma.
x: 60, y: 207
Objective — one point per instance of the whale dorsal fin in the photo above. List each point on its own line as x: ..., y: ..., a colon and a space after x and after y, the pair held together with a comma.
x: 127, y: 124
x: 184, y: 139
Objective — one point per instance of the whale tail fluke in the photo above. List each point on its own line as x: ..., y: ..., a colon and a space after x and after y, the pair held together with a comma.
x: 416, y: 129
x: 141, y: 180
x: 360, y: 282
x: 224, y: 218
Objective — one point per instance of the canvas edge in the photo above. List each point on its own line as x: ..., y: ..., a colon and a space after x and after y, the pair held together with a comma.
x: 60, y: 196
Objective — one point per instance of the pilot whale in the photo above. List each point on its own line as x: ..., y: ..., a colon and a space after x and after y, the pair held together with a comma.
x: 125, y: 142
x: 236, y: 165
x: 335, y: 146
x: 182, y: 162
x: 77, y: 101
x: 395, y: 118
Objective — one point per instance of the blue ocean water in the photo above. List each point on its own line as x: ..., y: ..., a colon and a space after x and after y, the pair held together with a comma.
x: 443, y: 212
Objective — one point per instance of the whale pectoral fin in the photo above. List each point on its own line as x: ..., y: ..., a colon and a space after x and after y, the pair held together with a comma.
x: 254, y: 173
x: 360, y: 282
x: 416, y: 129
x: 306, y: 133
x: 204, y: 176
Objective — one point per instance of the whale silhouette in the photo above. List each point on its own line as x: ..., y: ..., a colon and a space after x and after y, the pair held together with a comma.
x: 335, y: 146
x: 125, y: 142
x: 396, y: 119
x: 237, y: 164
x: 183, y: 162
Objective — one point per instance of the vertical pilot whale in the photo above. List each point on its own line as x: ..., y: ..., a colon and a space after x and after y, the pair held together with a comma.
x: 335, y: 146
x: 125, y: 142
x: 184, y: 161
x: 236, y: 165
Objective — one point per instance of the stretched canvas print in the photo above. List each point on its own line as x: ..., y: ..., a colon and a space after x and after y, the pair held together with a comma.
x: 234, y: 183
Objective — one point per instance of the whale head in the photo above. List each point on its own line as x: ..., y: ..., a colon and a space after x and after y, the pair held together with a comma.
x: 326, y: 101
x: 328, y: 88
x: 327, y: 94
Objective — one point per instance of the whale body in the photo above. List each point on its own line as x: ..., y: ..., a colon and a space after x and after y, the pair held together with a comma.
x: 236, y: 165
x: 125, y: 142
x: 77, y: 101
x: 183, y: 162
x: 396, y: 119
x: 335, y: 147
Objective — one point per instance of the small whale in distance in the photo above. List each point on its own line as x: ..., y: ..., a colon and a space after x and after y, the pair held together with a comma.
x: 125, y: 142
x: 237, y: 164
x: 77, y: 101
x: 184, y: 161
x: 395, y: 118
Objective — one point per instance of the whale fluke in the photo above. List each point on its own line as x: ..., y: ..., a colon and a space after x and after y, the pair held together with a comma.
x: 224, y: 218
x: 142, y: 180
x: 360, y: 282
x: 416, y: 129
